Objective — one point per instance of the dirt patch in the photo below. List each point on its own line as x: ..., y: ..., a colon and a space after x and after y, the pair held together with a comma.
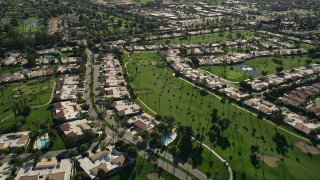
x: 21, y: 87
x: 173, y: 85
x: 269, y: 160
x: 154, y: 176
x: 16, y: 95
x: 307, y: 148
x: 44, y: 87
x: 154, y: 62
x: 144, y: 91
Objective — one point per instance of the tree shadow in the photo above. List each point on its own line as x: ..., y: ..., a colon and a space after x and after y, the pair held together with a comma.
x: 281, y: 143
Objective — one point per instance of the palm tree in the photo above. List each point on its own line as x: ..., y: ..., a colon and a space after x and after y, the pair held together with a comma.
x: 15, y: 109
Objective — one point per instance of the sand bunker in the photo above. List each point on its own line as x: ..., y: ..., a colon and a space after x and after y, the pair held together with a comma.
x: 269, y: 160
x: 173, y: 85
x: 307, y: 148
x: 154, y: 62
x: 154, y: 176
x: 44, y: 87
x: 143, y: 91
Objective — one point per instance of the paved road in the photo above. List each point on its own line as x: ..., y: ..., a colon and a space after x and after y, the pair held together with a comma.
x: 87, y: 84
x: 166, y: 166
x: 185, y: 166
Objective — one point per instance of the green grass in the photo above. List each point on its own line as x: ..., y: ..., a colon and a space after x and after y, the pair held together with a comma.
x: 258, y: 64
x: 36, y: 93
x: 204, y: 160
x: 228, y: 73
x: 37, y: 115
x: 205, y: 39
x: 170, y: 95
x: 289, y: 62
x: 10, y: 69
x: 58, y: 144
x: 65, y: 55
x: 140, y: 171
x: 26, y: 28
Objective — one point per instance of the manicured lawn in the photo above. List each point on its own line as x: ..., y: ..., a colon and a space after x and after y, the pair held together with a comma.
x: 170, y: 95
x: 289, y: 62
x: 207, y: 38
x: 202, y: 159
x: 37, y: 115
x: 58, y: 144
x: 140, y: 171
x: 259, y: 64
x: 35, y: 92
x: 228, y: 73
x: 30, y: 25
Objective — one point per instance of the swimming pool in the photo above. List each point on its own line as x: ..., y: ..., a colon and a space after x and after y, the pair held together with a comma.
x: 41, y: 142
x: 166, y: 139
x: 169, y: 138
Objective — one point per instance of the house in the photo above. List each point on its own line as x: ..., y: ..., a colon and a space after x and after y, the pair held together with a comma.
x: 124, y: 108
x: 143, y: 122
x: 5, y: 170
x: 74, y: 128
x: 301, y: 127
x: 67, y: 110
x: 66, y: 92
x: 46, y: 170
x: 71, y: 60
x: 14, y: 140
x: 109, y: 161
x: 68, y: 79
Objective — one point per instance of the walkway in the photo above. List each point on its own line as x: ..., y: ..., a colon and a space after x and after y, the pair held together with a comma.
x: 220, y: 158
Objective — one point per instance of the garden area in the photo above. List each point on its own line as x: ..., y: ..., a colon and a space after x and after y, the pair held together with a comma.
x: 241, y: 141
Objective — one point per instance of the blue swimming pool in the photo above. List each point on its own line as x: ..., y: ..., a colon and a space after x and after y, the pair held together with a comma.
x: 42, y: 142
x: 166, y: 139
